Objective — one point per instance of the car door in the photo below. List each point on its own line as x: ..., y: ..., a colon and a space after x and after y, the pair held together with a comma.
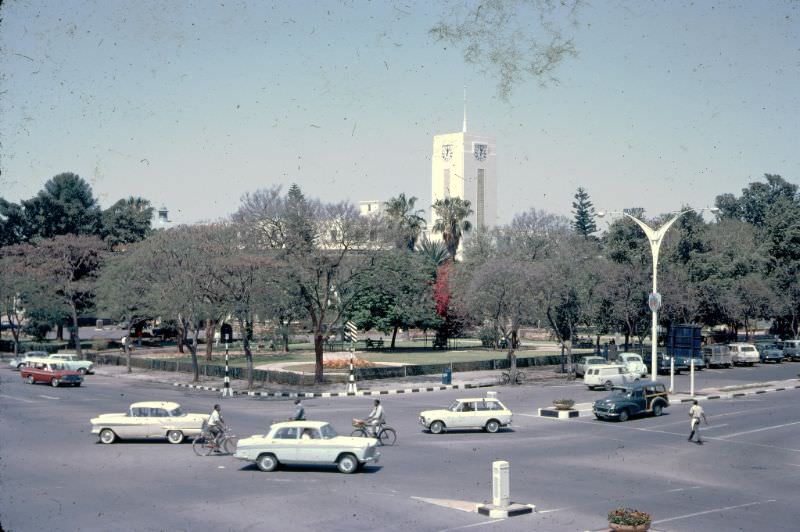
x: 637, y: 401
x: 157, y: 426
x: 311, y: 447
x: 284, y: 444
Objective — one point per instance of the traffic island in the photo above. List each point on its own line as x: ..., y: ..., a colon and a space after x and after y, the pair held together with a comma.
x: 578, y: 410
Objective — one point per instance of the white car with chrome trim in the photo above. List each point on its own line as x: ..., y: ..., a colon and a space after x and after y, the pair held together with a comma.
x: 486, y: 413
x: 149, y: 419
x: 307, y: 442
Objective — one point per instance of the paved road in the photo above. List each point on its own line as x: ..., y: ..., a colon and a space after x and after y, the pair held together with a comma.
x: 56, y: 477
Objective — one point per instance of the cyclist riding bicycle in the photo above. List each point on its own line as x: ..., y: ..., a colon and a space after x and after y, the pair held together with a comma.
x: 375, y: 419
x: 216, y: 424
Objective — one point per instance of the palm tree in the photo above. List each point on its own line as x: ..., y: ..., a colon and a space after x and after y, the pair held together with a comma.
x: 404, y: 221
x: 452, y: 221
x: 433, y: 250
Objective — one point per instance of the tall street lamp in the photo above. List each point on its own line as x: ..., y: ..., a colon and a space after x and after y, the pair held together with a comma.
x: 655, y: 237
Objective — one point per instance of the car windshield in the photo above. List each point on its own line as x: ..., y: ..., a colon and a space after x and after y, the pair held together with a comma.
x: 327, y: 432
x: 177, y: 412
x: 620, y: 392
x: 453, y: 406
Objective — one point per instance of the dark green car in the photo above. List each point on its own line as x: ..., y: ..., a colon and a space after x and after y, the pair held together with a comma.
x: 634, y: 399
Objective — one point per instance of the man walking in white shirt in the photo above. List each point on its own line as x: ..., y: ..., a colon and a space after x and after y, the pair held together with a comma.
x: 696, y: 413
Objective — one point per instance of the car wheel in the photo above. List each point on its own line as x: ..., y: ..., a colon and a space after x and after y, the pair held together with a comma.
x: 599, y: 416
x: 77, y: 384
x: 623, y: 415
x: 31, y: 380
x: 347, y: 464
x: 54, y: 383
x: 267, y: 462
x: 437, y: 427
x: 107, y: 436
x: 608, y: 385
x: 175, y: 436
x: 658, y: 409
x: 492, y: 426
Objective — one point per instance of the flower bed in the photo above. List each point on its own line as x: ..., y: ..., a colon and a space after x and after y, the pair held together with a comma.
x: 345, y: 364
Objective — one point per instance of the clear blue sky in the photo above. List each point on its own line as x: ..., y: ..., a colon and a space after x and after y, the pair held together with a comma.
x: 192, y: 104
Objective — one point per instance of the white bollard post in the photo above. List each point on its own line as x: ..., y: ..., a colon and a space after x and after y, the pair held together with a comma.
x: 671, y: 374
x: 501, y: 483
x: 691, y: 378
x: 227, y: 391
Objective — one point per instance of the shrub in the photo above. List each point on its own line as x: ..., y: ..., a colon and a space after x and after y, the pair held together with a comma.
x: 628, y: 516
x: 345, y: 364
x: 488, y: 336
x: 569, y: 403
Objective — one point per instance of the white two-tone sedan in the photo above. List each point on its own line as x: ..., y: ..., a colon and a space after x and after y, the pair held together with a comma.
x: 486, y: 413
x: 150, y: 419
x: 307, y: 442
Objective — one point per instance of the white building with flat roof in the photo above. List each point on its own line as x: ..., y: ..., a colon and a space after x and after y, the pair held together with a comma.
x: 464, y: 165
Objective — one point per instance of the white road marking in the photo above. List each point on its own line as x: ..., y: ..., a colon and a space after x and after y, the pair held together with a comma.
x: 49, y: 397
x: 755, y: 503
x: 710, y: 427
x: 17, y: 398
x: 472, y: 525
x: 610, y: 500
x: 464, y: 506
x: 758, y: 430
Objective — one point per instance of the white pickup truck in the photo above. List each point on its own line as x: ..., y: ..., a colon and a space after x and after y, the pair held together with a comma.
x: 71, y: 361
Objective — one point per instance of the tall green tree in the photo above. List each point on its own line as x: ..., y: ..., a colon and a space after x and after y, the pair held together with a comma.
x: 127, y: 221
x: 451, y: 222
x: 66, y: 205
x: 584, y: 215
x: 756, y: 199
x: 404, y: 222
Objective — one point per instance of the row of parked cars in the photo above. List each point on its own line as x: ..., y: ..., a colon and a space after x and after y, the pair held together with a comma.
x: 597, y: 372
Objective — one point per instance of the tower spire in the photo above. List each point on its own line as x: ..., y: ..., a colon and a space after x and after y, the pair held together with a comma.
x: 464, y: 125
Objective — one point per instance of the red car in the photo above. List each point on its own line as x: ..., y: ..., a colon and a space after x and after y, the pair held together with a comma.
x: 54, y: 373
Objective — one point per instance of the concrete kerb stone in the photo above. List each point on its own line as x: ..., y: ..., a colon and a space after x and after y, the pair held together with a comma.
x: 361, y: 393
x: 737, y: 394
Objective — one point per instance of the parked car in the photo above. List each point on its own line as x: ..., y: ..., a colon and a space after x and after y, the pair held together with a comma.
x: 608, y: 375
x: 584, y: 363
x: 149, y: 419
x: 638, y: 398
x: 633, y: 362
x: 307, y: 442
x: 17, y: 362
x: 663, y: 363
x: 699, y: 363
x: 770, y: 352
x: 71, y: 361
x: 718, y: 356
x: 486, y: 413
x: 53, y: 373
x: 791, y: 349
x: 744, y: 354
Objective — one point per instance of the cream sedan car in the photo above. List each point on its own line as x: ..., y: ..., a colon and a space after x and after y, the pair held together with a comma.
x: 150, y: 419
x: 307, y: 442
x: 486, y: 413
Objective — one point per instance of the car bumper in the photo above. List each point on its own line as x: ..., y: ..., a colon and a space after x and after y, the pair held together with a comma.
x: 605, y: 413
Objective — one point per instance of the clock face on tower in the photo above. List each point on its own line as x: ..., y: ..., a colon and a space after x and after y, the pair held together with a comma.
x: 480, y: 151
x: 447, y: 152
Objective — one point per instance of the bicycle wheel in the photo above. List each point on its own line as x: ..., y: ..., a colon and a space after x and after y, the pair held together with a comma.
x: 505, y: 378
x: 520, y: 377
x: 359, y: 433
x: 201, y: 446
x: 387, y: 436
x: 229, y: 445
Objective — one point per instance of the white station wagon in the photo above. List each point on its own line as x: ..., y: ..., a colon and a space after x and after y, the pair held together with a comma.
x: 150, y: 419
x: 486, y: 413
x: 307, y: 442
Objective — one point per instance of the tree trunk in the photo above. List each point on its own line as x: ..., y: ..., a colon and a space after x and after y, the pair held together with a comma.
x: 77, y: 334
x: 394, y: 335
x: 211, y: 328
x: 126, y: 349
x: 193, y: 351
x: 285, y: 336
x: 60, y: 331
x: 318, y: 344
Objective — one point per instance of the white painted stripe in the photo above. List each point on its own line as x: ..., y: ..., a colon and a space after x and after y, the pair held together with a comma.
x: 493, y: 521
x: 50, y: 397
x: 18, y: 398
x: 755, y: 503
x: 758, y: 430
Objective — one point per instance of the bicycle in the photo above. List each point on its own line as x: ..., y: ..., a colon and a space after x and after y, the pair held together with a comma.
x: 386, y: 435
x: 204, y: 444
x: 516, y: 376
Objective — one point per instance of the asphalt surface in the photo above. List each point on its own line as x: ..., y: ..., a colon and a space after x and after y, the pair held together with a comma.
x: 55, y: 476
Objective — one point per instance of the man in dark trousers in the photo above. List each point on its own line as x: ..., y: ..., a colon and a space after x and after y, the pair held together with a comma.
x: 696, y: 413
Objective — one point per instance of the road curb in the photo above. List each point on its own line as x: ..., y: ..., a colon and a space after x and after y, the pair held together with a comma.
x: 738, y: 394
x: 339, y: 394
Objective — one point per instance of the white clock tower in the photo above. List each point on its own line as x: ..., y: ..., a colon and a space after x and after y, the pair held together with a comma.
x: 464, y: 165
